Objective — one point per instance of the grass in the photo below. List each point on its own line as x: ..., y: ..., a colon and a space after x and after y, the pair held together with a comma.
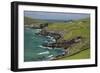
x: 82, y: 55
x: 71, y: 30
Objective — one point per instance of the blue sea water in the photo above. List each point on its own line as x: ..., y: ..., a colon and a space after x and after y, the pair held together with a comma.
x: 33, y: 49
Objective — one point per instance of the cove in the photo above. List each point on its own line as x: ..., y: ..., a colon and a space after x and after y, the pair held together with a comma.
x: 33, y: 49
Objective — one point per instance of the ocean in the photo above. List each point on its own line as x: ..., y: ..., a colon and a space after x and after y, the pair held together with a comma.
x: 33, y: 49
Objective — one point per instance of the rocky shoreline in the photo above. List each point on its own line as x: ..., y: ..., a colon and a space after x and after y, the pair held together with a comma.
x: 65, y: 44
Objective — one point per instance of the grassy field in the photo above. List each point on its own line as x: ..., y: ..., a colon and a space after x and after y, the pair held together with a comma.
x: 82, y: 55
x: 71, y: 30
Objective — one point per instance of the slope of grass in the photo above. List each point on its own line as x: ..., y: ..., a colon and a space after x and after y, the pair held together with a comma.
x: 82, y: 55
x: 71, y: 30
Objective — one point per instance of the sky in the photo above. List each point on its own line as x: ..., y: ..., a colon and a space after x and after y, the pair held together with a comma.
x: 55, y: 15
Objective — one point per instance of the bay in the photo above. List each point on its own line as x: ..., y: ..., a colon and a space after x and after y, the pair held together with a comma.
x: 33, y: 49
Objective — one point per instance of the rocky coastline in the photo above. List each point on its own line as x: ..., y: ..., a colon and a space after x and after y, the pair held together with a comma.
x: 65, y: 44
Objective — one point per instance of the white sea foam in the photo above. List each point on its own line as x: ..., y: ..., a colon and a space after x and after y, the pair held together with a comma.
x: 48, y: 36
x: 54, y: 40
x: 51, y: 38
x: 45, y: 47
x: 38, y: 30
x: 46, y: 52
x: 49, y: 47
x: 42, y: 46
x: 50, y: 56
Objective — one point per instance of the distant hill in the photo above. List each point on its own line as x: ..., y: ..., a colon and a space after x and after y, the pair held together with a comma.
x: 29, y: 20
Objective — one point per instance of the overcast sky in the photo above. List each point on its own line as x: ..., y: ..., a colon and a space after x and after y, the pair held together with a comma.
x: 55, y: 15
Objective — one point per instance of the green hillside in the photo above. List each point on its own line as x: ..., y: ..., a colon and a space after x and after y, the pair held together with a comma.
x: 71, y: 30
x: 81, y: 55
x: 29, y: 21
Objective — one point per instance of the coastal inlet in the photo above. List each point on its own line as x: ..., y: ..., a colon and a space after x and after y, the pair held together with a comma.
x: 34, y: 49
